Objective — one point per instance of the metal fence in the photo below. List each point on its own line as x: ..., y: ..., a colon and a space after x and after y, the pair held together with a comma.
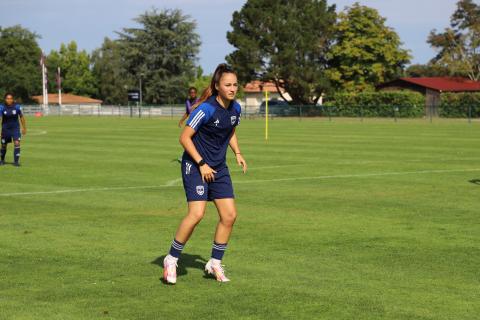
x: 329, y: 112
x: 104, y: 110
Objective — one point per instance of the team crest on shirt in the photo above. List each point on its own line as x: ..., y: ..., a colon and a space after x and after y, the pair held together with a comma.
x: 200, y: 190
x: 14, y: 112
x: 233, y: 119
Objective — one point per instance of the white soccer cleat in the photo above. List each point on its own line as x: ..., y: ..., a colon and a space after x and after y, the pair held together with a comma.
x: 215, y: 268
x: 170, y: 269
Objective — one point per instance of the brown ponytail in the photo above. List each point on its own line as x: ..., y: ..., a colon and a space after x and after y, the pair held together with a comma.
x: 211, y: 90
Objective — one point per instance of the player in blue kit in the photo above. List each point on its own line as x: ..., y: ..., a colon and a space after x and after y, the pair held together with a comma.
x: 209, y: 131
x: 189, y: 103
x: 11, y: 113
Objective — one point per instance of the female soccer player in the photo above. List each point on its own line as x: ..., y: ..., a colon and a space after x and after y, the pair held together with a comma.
x: 209, y: 131
x: 191, y: 101
x: 11, y: 113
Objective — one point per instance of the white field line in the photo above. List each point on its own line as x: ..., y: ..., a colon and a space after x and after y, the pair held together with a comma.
x: 276, y: 167
x: 36, y: 132
x: 406, y: 160
x: 170, y: 184
x: 364, y: 175
x: 173, y: 183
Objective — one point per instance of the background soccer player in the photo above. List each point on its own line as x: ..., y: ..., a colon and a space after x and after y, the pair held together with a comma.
x: 206, y: 137
x: 11, y: 113
x: 189, y: 103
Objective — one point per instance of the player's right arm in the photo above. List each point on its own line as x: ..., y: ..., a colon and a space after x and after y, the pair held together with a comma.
x: 197, y: 119
x: 187, y: 143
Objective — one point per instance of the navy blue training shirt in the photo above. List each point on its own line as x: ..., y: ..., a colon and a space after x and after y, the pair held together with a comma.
x: 214, y: 126
x: 10, y: 115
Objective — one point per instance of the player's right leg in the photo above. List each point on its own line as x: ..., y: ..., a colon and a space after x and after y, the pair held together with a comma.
x: 196, y: 192
x: 196, y: 211
x: 3, y: 149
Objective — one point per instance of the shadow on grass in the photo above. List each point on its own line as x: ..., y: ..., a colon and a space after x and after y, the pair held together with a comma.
x: 475, y: 181
x: 185, y: 262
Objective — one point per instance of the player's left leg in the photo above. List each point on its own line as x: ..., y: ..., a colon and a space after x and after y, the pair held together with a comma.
x: 228, y: 214
x: 16, y: 153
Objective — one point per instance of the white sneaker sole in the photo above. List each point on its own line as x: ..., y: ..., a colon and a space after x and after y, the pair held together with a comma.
x: 210, y: 271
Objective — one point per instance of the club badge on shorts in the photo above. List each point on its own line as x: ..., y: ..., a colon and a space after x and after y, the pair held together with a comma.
x: 200, y: 190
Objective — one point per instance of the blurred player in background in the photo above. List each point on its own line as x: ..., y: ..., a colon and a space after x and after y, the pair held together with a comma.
x: 189, y: 103
x: 209, y: 131
x: 12, y: 116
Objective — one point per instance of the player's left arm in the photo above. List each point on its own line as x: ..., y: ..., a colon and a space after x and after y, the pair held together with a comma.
x: 23, y: 122
x: 236, y: 149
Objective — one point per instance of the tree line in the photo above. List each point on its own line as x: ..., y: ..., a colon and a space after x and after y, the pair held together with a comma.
x: 305, y: 47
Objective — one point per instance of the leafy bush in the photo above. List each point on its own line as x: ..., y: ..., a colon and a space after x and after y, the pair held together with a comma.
x: 404, y: 104
x: 460, y: 105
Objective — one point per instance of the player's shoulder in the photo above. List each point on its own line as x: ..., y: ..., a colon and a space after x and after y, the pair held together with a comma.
x: 237, y: 106
x: 18, y: 107
x: 207, y: 107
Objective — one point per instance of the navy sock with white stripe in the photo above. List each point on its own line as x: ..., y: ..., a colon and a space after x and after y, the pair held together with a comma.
x: 176, y: 248
x: 218, y: 249
x: 16, y: 154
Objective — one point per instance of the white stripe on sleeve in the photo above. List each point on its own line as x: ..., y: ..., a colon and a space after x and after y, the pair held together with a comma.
x: 196, y: 120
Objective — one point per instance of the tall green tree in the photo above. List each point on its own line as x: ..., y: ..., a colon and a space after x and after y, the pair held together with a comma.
x: 285, y: 41
x: 20, y: 70
x: 201, y: 81
x: 366, y: 51
x: 163, y: 52
x: 109, y: 69
x: 76, y: 71
x: 458, y: 46
x: 426, y: 70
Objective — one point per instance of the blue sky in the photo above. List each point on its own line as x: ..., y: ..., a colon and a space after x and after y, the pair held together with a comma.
x: 89, y: 21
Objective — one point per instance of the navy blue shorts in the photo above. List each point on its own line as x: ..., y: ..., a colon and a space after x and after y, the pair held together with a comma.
x: 197, y: 190
x: 10, y: 135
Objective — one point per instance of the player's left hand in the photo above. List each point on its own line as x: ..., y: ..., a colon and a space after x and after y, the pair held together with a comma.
x: 24, y: 131
x: 241, y: 162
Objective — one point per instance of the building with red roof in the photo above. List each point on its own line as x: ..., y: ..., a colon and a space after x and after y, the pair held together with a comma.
x: 432, y: 88
x: 255, y: 93
x: 68, y: 99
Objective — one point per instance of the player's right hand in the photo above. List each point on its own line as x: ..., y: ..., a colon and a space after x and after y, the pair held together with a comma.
x: 208, y: 174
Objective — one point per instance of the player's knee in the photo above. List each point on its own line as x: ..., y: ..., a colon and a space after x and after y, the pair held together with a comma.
x: 196, y: 215
x: 228, y: 218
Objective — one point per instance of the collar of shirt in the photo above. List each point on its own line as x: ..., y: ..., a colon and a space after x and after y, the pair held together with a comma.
x: 213, y: 101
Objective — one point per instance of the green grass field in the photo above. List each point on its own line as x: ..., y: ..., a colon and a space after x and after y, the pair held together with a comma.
x: 337, y: 220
